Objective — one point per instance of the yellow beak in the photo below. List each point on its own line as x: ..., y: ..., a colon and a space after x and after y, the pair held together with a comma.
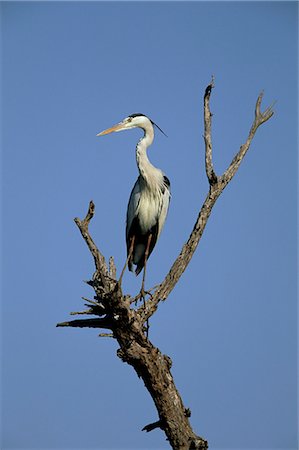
x: 116, y: 127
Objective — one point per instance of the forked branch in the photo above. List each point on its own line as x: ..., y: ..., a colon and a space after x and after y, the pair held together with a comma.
x: 217, y: 185
x: 259, y: 119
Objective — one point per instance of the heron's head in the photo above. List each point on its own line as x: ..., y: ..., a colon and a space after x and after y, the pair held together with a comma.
x: 136, y: 120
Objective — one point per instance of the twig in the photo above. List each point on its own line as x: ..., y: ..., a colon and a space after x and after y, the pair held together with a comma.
x: 87, y: 323
x: 97, y: 304
x: 153, y: 426
x: 212, y: 177
x: 78, y: 313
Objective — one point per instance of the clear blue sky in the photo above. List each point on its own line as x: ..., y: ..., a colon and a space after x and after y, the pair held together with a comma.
x: 70, y: 70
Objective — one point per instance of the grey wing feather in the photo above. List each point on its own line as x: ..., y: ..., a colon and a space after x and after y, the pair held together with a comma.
x: 132, y: 205
x: 164, y: 206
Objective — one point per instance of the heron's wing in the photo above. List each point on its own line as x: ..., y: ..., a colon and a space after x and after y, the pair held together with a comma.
x: 132, y: 209
x: 164, y: 205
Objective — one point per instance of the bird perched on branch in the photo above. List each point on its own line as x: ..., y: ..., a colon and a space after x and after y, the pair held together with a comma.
x: 149, y: 199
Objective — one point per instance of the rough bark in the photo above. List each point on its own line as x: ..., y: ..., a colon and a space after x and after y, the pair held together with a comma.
x: 127, y: 324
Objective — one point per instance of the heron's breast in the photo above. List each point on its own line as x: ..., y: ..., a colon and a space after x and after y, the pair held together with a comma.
x: 148, y: 211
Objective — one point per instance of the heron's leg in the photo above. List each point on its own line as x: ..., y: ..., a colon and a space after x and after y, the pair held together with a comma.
x: 142, y: 292
x: 127, y: 260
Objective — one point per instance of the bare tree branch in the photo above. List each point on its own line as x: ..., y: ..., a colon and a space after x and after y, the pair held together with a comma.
x: 99, y: 259
x: 217, y: 185
x: 183, y: 259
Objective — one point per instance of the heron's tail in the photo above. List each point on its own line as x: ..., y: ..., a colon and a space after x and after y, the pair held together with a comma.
x: 138, y: 269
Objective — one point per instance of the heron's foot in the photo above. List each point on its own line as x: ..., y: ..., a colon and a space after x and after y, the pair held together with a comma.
x: 142, y: 296
x: 142, y: 291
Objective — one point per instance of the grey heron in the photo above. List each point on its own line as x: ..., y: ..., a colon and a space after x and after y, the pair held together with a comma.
x: 149, y: 199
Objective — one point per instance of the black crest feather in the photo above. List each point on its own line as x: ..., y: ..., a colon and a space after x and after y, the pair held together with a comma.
x: 155, y: 125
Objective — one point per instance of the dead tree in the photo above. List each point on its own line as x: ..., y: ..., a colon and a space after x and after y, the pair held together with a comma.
x: 118, y: 313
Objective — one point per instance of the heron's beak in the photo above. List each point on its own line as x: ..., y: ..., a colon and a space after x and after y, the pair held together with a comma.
x: 117, y: 127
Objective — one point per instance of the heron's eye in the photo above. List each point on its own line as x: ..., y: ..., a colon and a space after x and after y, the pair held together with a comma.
x: 130, y: 119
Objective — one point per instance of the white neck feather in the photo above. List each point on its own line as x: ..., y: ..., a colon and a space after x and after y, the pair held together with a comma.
x: 152, y: 176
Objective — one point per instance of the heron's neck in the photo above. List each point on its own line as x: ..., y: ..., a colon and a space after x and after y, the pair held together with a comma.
x: 146, y: 169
